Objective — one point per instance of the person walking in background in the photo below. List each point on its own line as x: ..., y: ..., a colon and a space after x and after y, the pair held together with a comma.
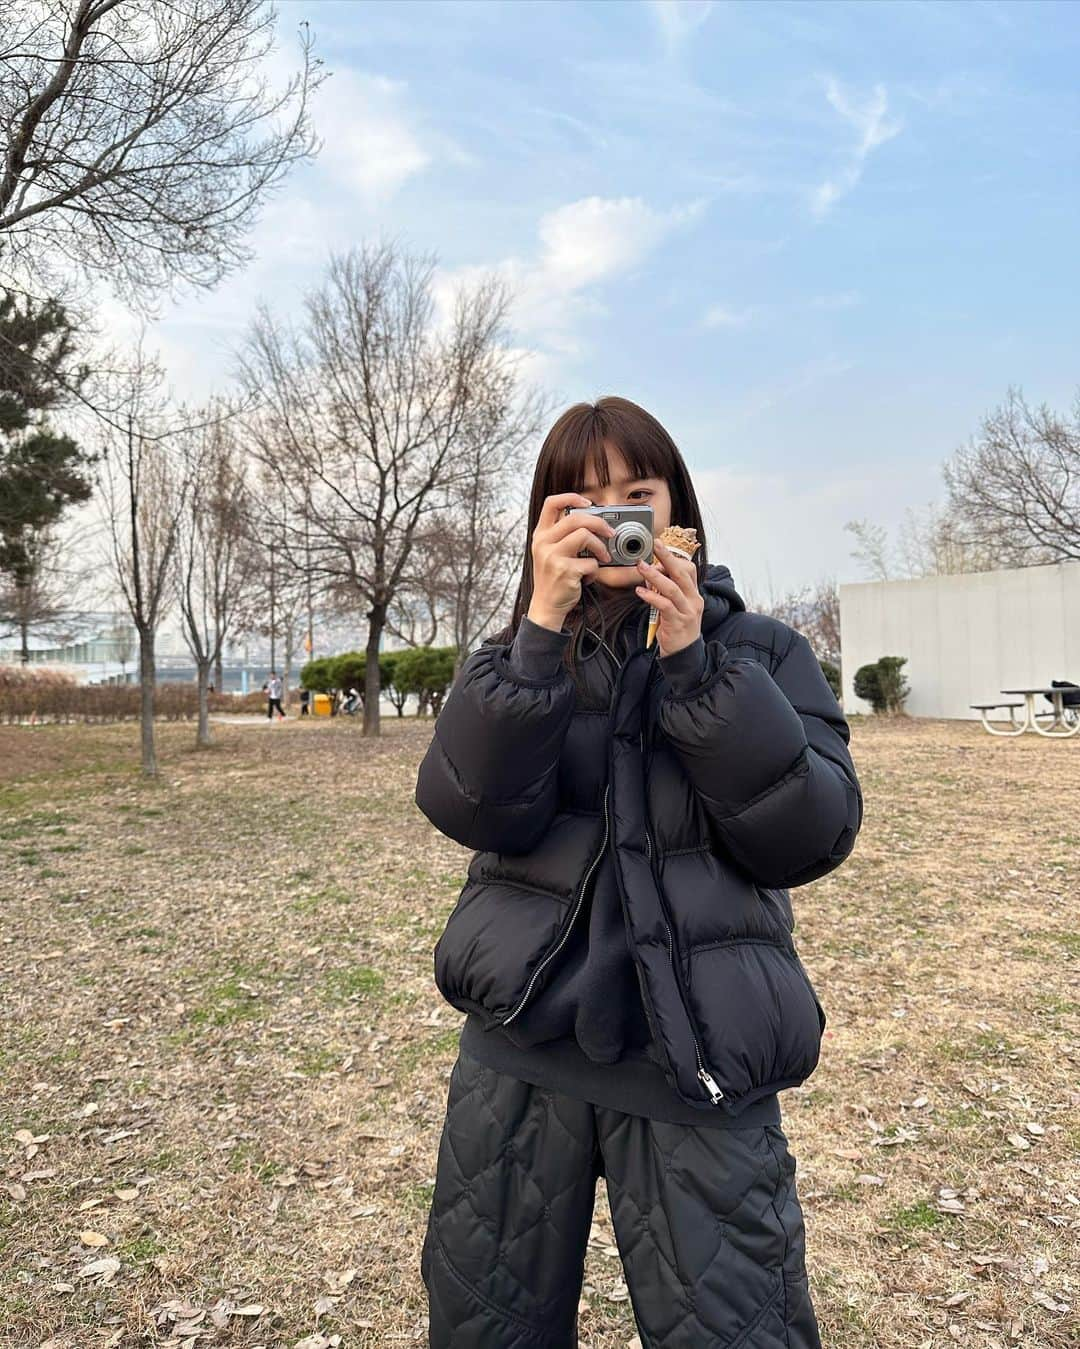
x: 305, y: 702
x: 274, y: 690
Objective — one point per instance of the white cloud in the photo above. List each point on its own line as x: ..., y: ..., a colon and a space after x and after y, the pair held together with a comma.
x: 869, y: 118
x: 588, y: 241
x: 369, y: 146
x: 374, y: 137
x: 679, y: 19
x: 580, y: 246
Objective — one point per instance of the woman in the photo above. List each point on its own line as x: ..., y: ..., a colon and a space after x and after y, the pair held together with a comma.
x: 623, y: 941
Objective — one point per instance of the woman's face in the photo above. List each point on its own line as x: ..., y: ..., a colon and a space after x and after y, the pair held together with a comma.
x: 622, y: 490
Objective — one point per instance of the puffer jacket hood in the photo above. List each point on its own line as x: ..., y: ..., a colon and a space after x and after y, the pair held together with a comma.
x: 698, y: 800
x: 720, y: 596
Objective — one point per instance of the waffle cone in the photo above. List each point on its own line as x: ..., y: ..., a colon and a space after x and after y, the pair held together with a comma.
x: 683, y: 541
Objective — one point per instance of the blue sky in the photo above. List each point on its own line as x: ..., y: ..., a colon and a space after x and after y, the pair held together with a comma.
x: 817, y: 241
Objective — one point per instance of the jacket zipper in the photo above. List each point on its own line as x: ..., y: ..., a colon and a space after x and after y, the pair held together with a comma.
x: 704, y: 1076
x: 584, y: 883
x: 573, y: 919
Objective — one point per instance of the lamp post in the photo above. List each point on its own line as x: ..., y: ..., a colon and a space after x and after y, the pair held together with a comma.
x: 273, y: 662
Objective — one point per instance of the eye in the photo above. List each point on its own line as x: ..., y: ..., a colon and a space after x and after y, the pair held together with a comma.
x: 644, y: 491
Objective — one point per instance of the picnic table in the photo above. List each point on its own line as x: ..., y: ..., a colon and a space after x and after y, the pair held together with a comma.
x: 1061, y: 727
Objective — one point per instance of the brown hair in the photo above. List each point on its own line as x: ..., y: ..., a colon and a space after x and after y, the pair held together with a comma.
x: 575, y: 443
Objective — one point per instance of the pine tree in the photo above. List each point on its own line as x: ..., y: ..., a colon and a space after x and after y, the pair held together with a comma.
x: 42, y: 472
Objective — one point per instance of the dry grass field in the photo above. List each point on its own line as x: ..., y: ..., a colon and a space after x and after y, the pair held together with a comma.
x: 224, y: 1061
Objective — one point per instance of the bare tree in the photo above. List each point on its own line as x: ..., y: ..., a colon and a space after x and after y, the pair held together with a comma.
x: 824, y: 630
x: 366, y: 413
x: 144, y: 490
x: 281, y: 601
x: 215, y: 562
x: 32, y: 599
x: 464, y: 566
x: 872, y: 548
x: 813, y: 610
x: 934, y: 542
x: 1016, y: 486
x: 140, y: 139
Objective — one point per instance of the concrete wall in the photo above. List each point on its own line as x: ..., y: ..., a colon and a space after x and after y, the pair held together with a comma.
x: 965, y: 637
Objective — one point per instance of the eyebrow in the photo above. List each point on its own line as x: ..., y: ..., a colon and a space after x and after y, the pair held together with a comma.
x: 620, y: 482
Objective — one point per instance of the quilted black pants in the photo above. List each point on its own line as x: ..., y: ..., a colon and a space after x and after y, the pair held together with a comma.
x: 708, y: 1226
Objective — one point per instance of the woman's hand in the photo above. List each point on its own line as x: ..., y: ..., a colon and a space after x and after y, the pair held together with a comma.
x: 557, y: 570
x: 675, y: 595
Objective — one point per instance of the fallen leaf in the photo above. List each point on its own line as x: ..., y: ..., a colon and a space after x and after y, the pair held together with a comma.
x: 108, y: 1268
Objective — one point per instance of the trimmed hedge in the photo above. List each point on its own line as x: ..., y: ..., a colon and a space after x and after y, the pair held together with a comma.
x: 52, y: 695
x: 423, y: 671
x: 49, y: 695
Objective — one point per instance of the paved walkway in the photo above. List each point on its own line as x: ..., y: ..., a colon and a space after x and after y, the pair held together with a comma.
x: 257, y: 718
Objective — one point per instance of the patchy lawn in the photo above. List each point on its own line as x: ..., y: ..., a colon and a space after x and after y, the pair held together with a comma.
x: 224, y: 1060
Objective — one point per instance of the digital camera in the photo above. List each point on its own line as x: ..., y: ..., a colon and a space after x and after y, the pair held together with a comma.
x: 633, y: 537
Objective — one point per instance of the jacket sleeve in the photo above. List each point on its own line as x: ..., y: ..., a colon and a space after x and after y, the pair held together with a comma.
x: 489, y: 779
x: 768, y: 757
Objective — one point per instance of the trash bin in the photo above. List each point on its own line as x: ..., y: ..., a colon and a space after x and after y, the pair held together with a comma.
x: 321, y: 704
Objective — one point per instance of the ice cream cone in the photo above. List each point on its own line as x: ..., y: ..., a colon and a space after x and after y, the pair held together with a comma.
x: 682, y: 542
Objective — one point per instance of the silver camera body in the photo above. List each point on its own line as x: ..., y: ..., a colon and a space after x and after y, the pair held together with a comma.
x: 633, y: 537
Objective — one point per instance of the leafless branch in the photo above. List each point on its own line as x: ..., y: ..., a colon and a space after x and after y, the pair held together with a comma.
x: 141, y: 139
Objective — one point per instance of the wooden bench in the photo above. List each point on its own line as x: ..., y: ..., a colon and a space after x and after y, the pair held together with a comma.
x: 983, y: 708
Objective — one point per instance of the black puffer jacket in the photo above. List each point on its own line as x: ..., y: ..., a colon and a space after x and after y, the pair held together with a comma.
x: 703, y: 805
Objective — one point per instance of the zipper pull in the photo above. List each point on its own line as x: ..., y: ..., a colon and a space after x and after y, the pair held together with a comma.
x: 715, y: 1094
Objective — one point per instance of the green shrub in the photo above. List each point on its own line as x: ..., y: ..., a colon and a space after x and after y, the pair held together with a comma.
x: 318, y: 675
x: 883, y: 684
x: 893, y: 684
x: 832, y: 674
x: 427, y: 671
x: 389, y: 668
x: 868, y: 686
x: 349, y: 671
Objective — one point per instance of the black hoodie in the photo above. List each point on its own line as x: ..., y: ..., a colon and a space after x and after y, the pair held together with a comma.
x: 594, y: 1000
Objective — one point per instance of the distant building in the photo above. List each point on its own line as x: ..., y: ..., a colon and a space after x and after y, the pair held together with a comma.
x: 97, y: 648
x: 966, y: 637
x: 103, y: 648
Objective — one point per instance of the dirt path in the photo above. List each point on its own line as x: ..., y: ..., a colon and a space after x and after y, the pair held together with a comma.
x: 224, y: 1060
